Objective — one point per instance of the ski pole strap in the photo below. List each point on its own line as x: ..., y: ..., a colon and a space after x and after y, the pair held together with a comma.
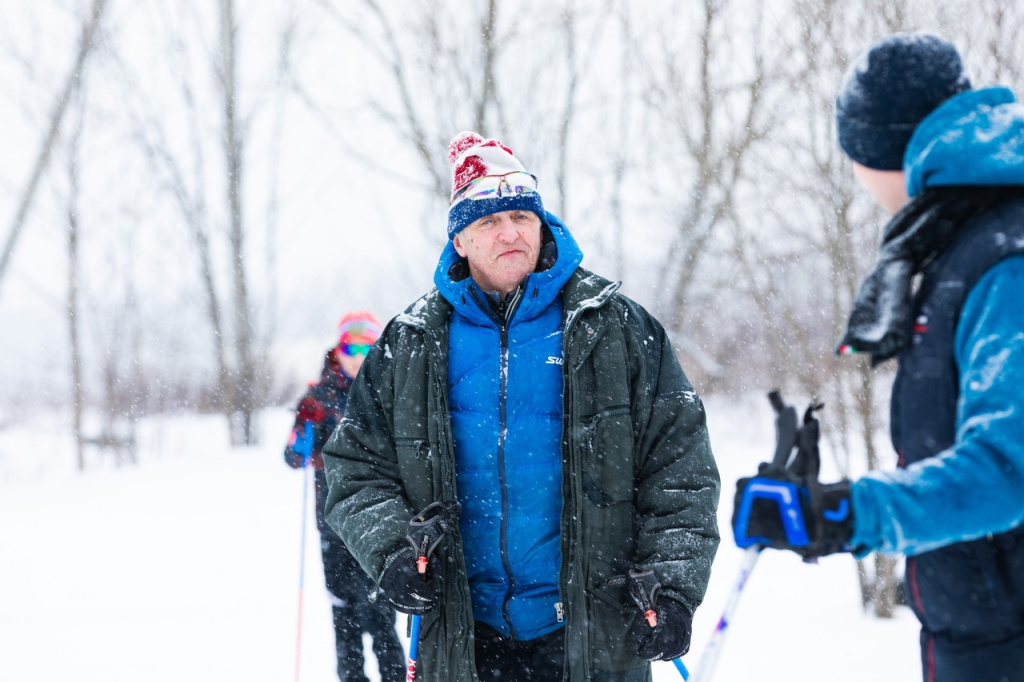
x: 428, y: 528
x: 785, y: 430
x: 808, y: 463
x: 789, y: 436
x: 789, y: 484
x: 643, y: 587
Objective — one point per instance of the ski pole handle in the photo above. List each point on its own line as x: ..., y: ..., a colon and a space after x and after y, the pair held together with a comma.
x: 426, y: 531
x: 644, y: 588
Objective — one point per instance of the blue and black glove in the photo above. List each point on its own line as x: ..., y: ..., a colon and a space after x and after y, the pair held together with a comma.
x: 784, y: 506
x: 778, y: 510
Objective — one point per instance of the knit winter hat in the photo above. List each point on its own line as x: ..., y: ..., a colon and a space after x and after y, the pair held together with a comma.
x: 359, y: 327
x: 481, y: 163
x: 891, y: 88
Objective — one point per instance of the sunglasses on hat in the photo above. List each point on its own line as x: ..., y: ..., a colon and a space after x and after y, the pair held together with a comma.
x: 497, y: 186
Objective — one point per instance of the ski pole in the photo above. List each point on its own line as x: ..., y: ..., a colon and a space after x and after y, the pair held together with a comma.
x: 414, y: 649
x: 709, y: 659
x: 788, y: 437
x: 426, y: 531
x: 304, y: 447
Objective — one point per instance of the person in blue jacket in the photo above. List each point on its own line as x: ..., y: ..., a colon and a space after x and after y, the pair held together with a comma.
x: 316, y: 417
x: 944, y: 299
x: 552, y: 410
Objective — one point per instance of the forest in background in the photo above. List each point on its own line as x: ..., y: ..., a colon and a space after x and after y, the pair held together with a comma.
x: 194, y: 192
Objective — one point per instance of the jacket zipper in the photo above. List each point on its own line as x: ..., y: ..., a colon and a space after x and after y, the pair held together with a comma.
x: 503, y: 325
x: 502, y: 426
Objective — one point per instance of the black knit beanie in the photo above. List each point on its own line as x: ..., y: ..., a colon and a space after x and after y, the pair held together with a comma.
x: 891, y: 88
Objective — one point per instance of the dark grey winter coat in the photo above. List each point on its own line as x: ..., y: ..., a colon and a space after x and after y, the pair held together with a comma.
x: 639, y: 480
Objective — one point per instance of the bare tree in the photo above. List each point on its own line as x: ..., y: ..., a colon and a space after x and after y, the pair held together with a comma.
x: 467, y: 69
x: 708, y: 72
x: 89, y: 29
x: 74, y: 345
x: 220, y: 232
x: 245, y: 389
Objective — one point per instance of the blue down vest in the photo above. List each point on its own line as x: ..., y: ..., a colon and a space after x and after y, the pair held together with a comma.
x: 969, y: 589
x: 505, y: 397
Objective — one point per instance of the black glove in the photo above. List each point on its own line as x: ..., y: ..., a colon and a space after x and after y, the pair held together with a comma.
x: 780, y: 510
x: 408, y: 590
x: 669, y: 639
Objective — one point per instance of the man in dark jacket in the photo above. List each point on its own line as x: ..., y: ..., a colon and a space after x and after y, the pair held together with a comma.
x: 948, y: 161
x: 316, y: 417
x: 551, y: 409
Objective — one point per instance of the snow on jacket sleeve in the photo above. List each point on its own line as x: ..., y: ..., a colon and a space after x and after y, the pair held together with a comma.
x: 678, y: 485
x: 976, y: 487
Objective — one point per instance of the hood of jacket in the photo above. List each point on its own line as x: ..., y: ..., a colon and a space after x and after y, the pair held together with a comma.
x: 539, y: 289
x: 973, y: 138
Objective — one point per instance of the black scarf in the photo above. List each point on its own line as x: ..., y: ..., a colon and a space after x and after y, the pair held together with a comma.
x: 880, y: 323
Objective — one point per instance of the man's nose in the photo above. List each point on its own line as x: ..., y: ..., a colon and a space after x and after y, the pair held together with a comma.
x: 507, y: 230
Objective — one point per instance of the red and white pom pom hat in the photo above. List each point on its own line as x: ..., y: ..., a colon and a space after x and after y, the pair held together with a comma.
x: 475, y: 160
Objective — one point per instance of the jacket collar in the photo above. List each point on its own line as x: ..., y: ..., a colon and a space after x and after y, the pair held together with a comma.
x: 538, y: 291
x: 583, y: 290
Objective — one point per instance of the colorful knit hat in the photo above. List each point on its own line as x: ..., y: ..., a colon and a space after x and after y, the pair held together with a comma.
x: 487, y: 178
x: 358, y: 327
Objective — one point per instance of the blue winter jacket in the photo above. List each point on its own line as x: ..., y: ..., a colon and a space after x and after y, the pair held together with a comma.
x: 975, y: 487
x: 505, y: 394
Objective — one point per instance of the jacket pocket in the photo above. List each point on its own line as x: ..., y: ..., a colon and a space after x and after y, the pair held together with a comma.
x: 608, y: 474
x: 415, y: 466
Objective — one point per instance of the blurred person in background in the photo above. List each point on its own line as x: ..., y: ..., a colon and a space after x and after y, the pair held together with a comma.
x: 316, y: 417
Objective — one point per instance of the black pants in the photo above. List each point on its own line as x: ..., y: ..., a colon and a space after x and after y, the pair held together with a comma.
x: 353, y: 614
x: 500, y: 659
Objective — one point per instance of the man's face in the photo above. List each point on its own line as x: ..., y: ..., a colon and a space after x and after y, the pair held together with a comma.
x: 502, y: 249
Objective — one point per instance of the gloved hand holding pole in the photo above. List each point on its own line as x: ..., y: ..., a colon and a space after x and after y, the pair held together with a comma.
x: 661, y: 631
x: 411, y: 582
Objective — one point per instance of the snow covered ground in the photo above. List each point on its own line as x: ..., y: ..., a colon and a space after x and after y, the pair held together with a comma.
x: 186, y: 567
